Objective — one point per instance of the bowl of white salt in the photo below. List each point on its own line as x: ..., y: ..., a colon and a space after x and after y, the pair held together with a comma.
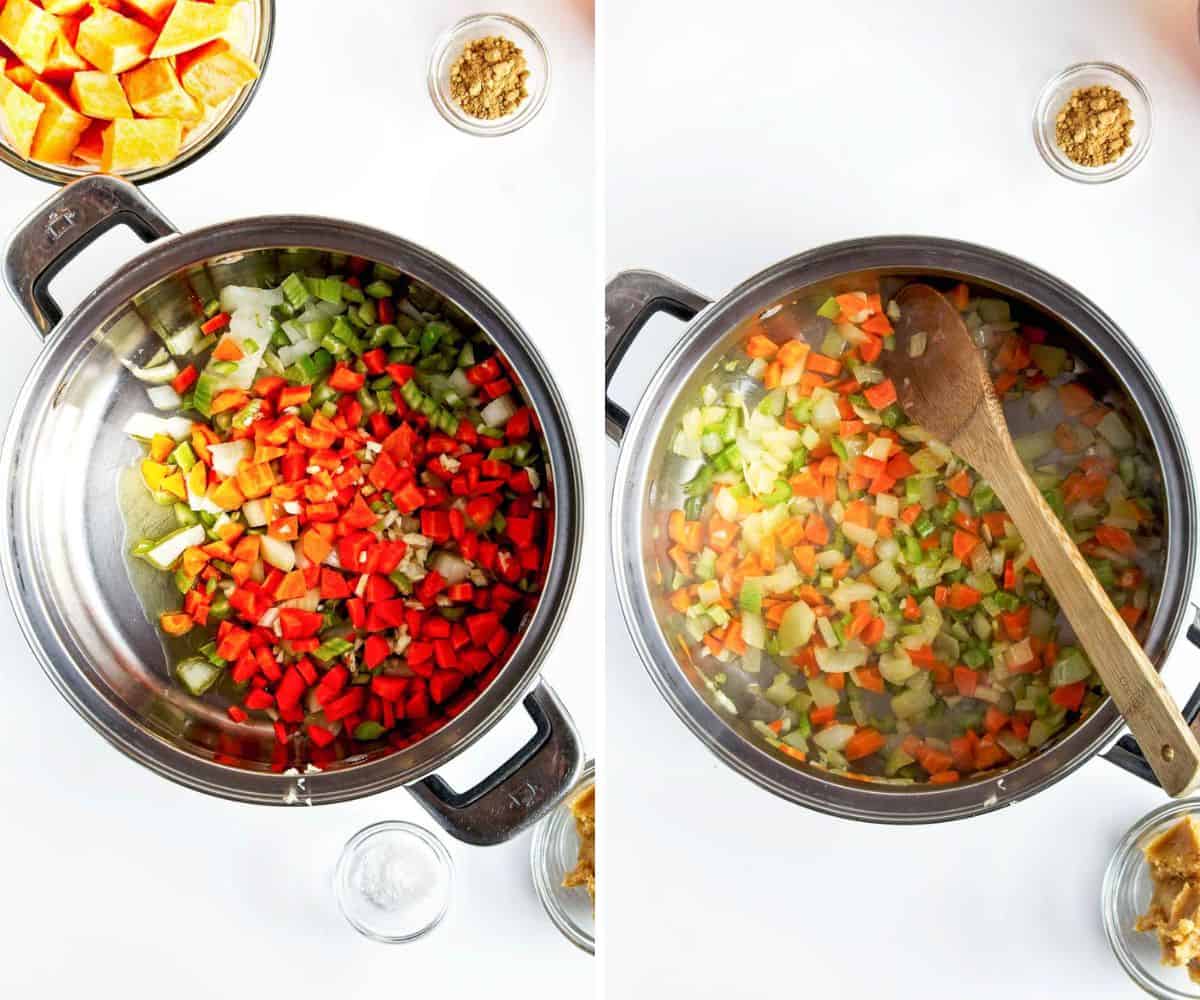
x: 393, y: 881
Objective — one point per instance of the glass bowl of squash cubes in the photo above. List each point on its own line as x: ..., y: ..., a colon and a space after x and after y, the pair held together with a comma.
x: 138, y: 88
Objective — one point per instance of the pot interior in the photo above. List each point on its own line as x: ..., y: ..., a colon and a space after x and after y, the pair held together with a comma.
x: 77, y: 504
x: 727, y: 720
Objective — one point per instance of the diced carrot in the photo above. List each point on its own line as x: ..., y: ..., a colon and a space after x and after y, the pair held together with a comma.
x: 863, y: 743
x: 1132, y: 615
x: 870, y: 349
x: 823, y: 365
x: 822, y: 716
x: 760, y: 346
x: 1075, y: 398
x: 816, y: 530
x: 882, y: 395
x: 963, y: 597
x: 878, y: 325
x: 792, y: 353
x: 960, y: 483
x: 227, y: 349
x: 1117, y: 539
x: 966, y: 680
x: 805, y: 557
x: 873, y: 633
x: 943, y: 777
x: 228, y: 399
x: 964, y: 544
x: 960, y: 297
x: 869, y: 678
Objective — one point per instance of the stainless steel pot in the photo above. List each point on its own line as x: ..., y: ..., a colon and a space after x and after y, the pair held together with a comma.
x: 647, y: 485
x: 64, y: 548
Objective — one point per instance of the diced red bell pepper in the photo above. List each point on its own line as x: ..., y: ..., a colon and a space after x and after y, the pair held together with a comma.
x: 344, y: 379
x: 297, y: 624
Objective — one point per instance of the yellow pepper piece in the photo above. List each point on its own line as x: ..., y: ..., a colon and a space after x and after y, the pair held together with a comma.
x: 197, y: 480
x: 226, y: 495
x: 173, y: 484
x: 161, y: 446
x: 153, y: 473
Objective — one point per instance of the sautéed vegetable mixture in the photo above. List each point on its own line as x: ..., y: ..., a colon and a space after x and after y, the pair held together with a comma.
x: 856, y: 592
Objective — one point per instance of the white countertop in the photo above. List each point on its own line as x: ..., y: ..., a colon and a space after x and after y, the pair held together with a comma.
x: 753, y: 132
x: 120, y: 883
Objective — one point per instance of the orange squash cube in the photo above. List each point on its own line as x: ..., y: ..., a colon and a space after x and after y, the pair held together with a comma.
x: 64, y: 59
x: 191, y: 25
x: 100, y: 95
x: 155, y: 10
x: 29, y: 31
x: 91, y: 145
x: 112, y: 42
x: 60, y: 127
x: 66, y: 7
x: 154, y: 91
x: 19, y: 114
x: 215, y: 72
x: 136, y: 143
x: 21, y: 75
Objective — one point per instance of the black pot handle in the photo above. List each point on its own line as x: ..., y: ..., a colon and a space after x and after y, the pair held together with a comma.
x: 521, y: 790
x: 1125, y: 753
x: 630, y: 299
x: 61, y: 227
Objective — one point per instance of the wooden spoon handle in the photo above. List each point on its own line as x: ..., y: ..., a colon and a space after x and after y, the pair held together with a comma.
x: 1127, y: 673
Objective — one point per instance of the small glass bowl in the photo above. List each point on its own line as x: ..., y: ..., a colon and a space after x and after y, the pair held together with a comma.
x: 1125, y: 894
x: 449, y: 47
x: 257, y: 39
x: 1054, y: 95
x: 554, y: 852
x: 394, y: 925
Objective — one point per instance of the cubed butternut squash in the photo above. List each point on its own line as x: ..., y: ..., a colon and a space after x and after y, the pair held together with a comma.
x: 137, y: 143
x: 21, y: 75
x: 91, y: 145
x: 65, y: 8
x: 64, y: 60
x: 60, y: 127
x: 112, y: 42
x: 19, y: 114
x: 155, y: 10
x: 29, y: 31
x: 191, y: 25
x: 215, y: 72
x: 154, y: 91
x: 100, y: 95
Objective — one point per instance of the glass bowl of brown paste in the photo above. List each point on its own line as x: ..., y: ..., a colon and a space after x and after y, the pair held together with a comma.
x: 563, y: 858
x: 1151, y: 901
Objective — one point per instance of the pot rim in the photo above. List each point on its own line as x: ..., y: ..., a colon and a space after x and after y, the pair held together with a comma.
x: 898, y: 254
x: 408, y: 765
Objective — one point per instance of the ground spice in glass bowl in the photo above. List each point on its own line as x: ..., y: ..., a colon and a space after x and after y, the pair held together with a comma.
x: 489, y: 74
x: 1093, y: 128
x: 1084, y: 142
x: 488, y: 79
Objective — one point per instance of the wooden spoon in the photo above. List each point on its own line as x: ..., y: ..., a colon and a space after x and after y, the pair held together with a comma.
x: 947, y: 390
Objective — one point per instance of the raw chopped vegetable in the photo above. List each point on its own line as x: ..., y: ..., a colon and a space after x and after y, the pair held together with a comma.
x: 363, y: 531
x: 853, y: 590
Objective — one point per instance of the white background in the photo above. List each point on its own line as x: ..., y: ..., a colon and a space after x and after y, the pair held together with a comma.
x: 117, y: 882
x: 741, y: 134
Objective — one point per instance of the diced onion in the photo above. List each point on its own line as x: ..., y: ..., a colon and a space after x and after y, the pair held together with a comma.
x: 834, y: 737
x: 163, y: 397
x: 450, y: 567
x: 498, y: 411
